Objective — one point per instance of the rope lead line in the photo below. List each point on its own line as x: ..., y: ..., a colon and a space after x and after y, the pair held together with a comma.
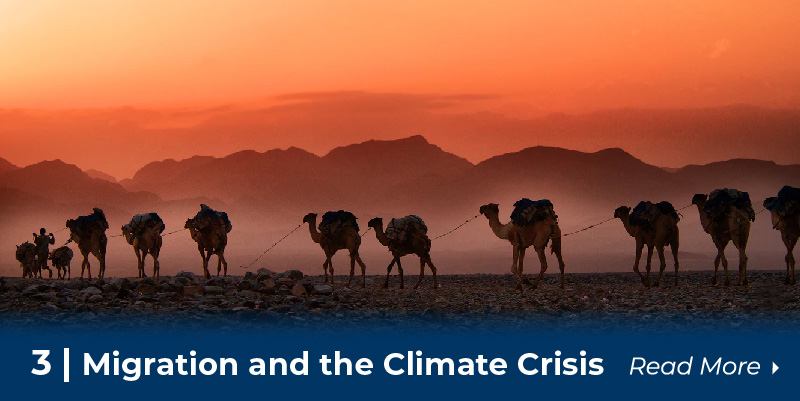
x: 273, y: 246
x: 586, y: 228
x: 459, y: 226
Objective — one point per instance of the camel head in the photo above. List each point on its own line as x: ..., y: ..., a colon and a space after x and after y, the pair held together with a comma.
x: 128, y: 234
x: 622, y: 211
x: 188, y: 224
x: 310, y: 218
x: 699, y: 199
x: 70, y: 223
x: 490, y: 210
x: 375, y: 223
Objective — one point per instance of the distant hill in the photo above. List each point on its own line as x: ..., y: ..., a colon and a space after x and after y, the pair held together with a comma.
x: 100, y: 175
x: 5, y: 166
x: 62, y: 183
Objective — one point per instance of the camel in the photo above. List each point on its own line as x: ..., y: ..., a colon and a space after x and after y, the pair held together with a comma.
x: 345, y: 238
x: 416, y: 243
x: 664, y: 232
x: 26, y: 255
x: 735, y: 226
x: 522, y: 237
x: 210, y: 241
x: 790, y: 231
x: 89, y: 232
x: 62, y: 258
x: 43, y: 242
x: 145, y: 240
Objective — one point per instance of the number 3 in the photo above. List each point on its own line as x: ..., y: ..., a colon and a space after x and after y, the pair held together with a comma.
x: 43, y: 354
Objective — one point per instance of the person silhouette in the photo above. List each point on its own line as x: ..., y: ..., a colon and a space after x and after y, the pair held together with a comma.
x: 43, y: 242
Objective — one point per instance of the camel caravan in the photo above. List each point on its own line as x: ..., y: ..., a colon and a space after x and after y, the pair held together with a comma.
x: 725, y: 214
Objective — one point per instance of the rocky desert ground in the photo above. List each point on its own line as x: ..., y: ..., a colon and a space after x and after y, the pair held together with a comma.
x: 265, y: 298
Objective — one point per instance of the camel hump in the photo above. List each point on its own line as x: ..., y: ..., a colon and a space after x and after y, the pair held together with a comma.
x: 787, y: 203
x: 646, y: 213
x: 83, y: 226
x: 400, y: 229
x: 141, y: 222
x: 720, y: 202
x: 334, y: 222
x: 209, y: 218
x: 527, y: 212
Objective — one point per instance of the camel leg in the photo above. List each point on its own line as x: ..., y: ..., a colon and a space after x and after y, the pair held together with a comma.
x: 352, y: 269
x: 156, y: 267
x: 742, y: 266
x: 139, y: 264
x: 520, y: 268
x: 68, y: 270
x: 648, y: 266
x: 388, y: 271
x: 221, y: 260
x: 514, y: 269
x: 561, y: 265
x: 325, y: 265
x: 543, y: 262
x: 101, y: 256
x: 662, y: 264
x: 219, y: 265
x: 421, y: 271
x: 400, y: 271
x: 363, y: 271
x: 725, y: 266
x: 433, y: 271
x: 639, y: 247
x: 202, y: 250
x: 88, y: 267
x: 674, y: 245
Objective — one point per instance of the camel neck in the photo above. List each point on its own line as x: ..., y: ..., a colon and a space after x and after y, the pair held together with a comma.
x: 705, y: 221
x: 626, y: 222
x: 381, y: 235
x: 499, y: 229
x: 312, y: 228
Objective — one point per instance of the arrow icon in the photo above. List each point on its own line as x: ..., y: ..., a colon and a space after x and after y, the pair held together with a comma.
x: 774, y: 368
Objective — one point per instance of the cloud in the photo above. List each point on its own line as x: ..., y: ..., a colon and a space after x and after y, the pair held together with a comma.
x: 720, y: 47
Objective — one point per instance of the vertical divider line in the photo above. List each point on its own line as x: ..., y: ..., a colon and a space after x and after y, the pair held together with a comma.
x: 66, y: 365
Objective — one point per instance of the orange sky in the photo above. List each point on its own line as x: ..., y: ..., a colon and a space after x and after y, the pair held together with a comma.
x: 522, y: 58
x: 79, y: 53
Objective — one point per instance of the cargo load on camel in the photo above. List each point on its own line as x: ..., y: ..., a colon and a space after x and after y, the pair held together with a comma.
x: 208, y: 218
x: 720, y: 202
x: 142, y: 222
x: 84, y: 226
x: 401, y: 229
x: 528, y: 212
x: 646, y: 213
x: 334, y: 222
x: 786, y: 204
x: 26, y: 255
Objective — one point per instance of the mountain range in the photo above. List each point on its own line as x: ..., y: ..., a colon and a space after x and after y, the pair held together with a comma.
x: 273, y: 189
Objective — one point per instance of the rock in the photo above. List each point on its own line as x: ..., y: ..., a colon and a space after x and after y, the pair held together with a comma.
x: 246, y: 285
x: 30, y: 290
x: 265, y: 271
x: 146, y: 289
x: 285, y: 281
x: 249, y: 276
x: 323, y: 289
x: 95, y: 298
x: 89, y: 291
x: 216, y: 282
x: 269, y: 283
x: 193, y: 290
x: 123, y: 293
x: 299, y: 290
x: 292, y: 274
x: 213, y: 290
x: 185, y: 274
